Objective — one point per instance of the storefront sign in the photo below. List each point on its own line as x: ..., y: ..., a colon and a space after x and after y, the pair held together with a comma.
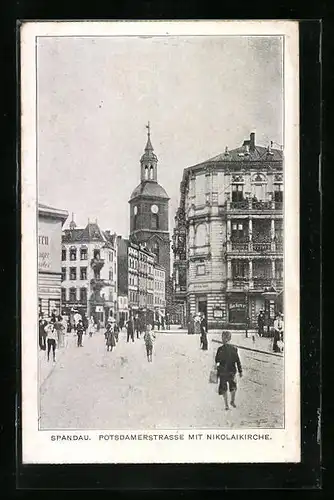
x: 237, y: 305
x: 49, y: 245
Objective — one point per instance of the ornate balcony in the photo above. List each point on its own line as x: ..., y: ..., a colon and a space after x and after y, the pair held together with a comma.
x: 255, y: 284
x: 250, y: 205
x: 253, y: 247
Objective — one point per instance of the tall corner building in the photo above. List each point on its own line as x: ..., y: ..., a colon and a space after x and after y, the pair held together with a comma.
x: 228, y: 236
x: 149, y: 209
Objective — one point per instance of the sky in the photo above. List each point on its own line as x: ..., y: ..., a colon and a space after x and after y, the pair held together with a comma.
x: 96, y: 95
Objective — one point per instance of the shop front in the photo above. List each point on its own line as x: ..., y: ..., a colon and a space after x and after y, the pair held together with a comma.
x: 237, y: 314
x: 50, y: 223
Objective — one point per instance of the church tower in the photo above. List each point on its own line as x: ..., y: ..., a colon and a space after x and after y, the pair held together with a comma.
x: 149, y: 209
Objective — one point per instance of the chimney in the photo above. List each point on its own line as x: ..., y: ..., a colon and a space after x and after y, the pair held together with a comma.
x: 252, y: 141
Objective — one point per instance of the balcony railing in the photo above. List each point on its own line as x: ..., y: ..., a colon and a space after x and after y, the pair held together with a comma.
x: 261, y: 246
x: 254, y: 246
x: 247, y: 205
x: 260, y: 282
x: 255, y: 283
x: 240, y: 246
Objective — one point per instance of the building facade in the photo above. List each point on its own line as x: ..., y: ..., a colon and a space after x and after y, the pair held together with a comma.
x: 159, y: 292
x: 228, y: 237
x: 149, y: 209
x: 50, y: 223
x: 89, y: 271
x: 136, y: 266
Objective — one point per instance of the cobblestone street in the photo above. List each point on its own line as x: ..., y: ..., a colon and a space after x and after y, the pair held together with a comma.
x: 90, y: 388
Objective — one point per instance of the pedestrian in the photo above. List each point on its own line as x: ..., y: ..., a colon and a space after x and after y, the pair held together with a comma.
x: 137, y: 326
x: 41, y: 331
x: 130, y: 329
x: 91, y: 326
x: 204, y: 337
x: 52, y: 336
x: 85, y: 323
x: 158, y: 323
x: 197, y: 325
x: 116, y: 331
x: 80, y: 331
x: 227, y: 361
x: 167, y: 322
x: 121, y: 323
x: 59, y: 327
x: 278, y: 333
x: 260, y: 323
x: 149, y: 338
x: 110, y: 336
x: 162, y: 322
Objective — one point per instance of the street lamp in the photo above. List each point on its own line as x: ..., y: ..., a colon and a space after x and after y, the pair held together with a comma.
x: 246, y: 290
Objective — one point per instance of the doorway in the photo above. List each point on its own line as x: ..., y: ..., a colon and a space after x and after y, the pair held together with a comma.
x: 202, y: 308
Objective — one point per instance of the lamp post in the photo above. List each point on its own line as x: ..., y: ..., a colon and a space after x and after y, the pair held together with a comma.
x: 246, y: 290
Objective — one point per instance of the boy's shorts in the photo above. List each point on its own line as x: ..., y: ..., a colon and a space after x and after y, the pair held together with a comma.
x: 149, y: 349
x: 227, y: 381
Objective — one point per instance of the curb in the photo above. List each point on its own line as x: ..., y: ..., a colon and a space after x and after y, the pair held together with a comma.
x: 252, y: 349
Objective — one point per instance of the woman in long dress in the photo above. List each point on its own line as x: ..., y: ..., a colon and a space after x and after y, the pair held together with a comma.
x: 110, y: 337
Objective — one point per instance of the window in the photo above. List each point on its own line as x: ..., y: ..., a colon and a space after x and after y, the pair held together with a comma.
x: 151, y: 172
x: 63, y: 254
x: 154, y: 221
x: 110, y: 276
x: 200, y: 238
x: 278, y: 192
x: 63, y: 273
x: 73, y: 273
x: 239, y: 269
x: 83, y: 254
x: 237, y: 192
x: 73, y: 294
x: 97, y: 254
x: 83, y: 295
x: 73, y: 254
x: 63, y: 294
x: 146, y: 173
x: 238, y: 230
x: 200, y: 269
x: 83, y: 273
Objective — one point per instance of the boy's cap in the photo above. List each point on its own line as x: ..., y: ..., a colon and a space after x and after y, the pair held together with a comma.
x: 226, y: 336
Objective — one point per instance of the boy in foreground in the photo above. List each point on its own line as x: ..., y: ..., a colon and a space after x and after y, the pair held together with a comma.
x: 227, y: 361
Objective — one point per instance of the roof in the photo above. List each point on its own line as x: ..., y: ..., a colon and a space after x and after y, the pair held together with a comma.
x: 259, y: 153
x: 89, y: 234
x: 52, y: 212
x: 149, y: 189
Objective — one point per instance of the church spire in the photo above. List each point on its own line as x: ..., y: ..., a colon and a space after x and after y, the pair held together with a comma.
x: 148, y: 160
x: 149, y: 146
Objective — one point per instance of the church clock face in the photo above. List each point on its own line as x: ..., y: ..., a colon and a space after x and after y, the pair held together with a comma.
x: 154, y: 209
x: 135, y: 210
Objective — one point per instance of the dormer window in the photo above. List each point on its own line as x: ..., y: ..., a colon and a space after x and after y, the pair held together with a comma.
x: 97, y: 254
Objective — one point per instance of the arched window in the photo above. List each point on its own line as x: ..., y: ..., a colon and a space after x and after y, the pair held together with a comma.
x: 200, y: 238
x: 151, y: 172
x: 146, y: 172
x: 154, y: 221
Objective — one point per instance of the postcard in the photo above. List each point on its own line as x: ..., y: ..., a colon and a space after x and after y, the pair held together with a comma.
x: 160, y: 242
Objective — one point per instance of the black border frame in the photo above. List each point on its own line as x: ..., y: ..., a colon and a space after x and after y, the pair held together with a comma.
x: 306, y: 475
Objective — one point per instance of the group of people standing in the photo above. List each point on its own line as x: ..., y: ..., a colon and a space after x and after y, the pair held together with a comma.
x: 198, y: 325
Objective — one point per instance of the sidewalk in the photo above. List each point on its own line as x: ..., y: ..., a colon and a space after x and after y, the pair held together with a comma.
x: 46, y: 367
